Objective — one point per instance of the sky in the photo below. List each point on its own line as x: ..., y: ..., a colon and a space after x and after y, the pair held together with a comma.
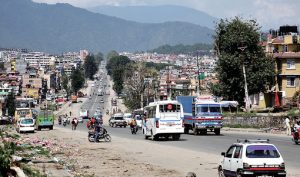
x: 268, y: 13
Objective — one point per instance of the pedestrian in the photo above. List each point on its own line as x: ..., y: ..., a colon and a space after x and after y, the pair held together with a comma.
x: 288, y: 126
x: 74, y: 123
x: 70, y: 113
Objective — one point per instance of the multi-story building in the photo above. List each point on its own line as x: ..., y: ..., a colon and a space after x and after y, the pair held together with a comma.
x: 285, y: 49
x: 40, y: 60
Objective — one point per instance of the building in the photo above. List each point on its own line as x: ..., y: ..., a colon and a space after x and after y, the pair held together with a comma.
x: 285, y: 49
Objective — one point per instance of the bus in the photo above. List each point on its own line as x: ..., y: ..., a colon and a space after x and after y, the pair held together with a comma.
x: 163, y: 119
x: 22, y: 113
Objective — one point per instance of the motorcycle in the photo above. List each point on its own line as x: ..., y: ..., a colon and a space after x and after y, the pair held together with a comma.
x: 134, y: 129
x: 59, y: 120
x: 64, y: 123
x: 296, y: 135
x: 103, y: 135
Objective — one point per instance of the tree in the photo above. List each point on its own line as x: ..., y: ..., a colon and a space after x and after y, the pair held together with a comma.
x: 115, y: 68
x: 90, y: 67
x: 112, y: 54
x: 65, y: 84
x: 10, y: 104
x: 135, y: 83
x: 230, y: 36
x: 77, y: 80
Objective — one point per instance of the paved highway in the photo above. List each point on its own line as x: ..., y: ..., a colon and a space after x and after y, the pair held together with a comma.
x: 206, y: 143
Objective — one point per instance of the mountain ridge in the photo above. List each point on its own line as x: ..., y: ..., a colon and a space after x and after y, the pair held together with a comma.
x: 62, y: 27
x: 163, y: 13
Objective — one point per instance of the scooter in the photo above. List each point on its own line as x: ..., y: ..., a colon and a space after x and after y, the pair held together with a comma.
x: 103, y: 135
x: 296, y: 135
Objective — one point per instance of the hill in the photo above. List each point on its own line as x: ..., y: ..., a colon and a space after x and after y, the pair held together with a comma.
x: 62, y: 27
x: 183, y: 49
x: 158, y: 14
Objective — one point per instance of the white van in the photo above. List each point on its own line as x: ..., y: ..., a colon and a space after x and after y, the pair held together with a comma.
x: 163, y: 119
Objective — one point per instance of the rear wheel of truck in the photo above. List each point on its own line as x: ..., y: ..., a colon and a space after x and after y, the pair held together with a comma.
x: 195, y: 131
x: 51, y: 127
x: 217, y: 131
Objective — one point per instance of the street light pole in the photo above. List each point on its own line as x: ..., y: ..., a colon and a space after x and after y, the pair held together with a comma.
x: 245, y: 81
x: 198, y: 73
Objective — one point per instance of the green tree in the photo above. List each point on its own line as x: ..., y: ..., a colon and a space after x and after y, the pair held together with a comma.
x: 230, y: 36
x: 112, y: 54
x: 90, y: 67
x: 65, y: 84
x: 116, y: 67
x: 10, y: 104
x: 77, y: 80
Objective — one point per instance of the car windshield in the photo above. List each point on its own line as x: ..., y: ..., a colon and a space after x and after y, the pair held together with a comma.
x: 27, y: 121
x: 119, y: 118
x: 262, y: 151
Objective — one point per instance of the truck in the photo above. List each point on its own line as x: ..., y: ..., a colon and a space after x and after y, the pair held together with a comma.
x: 201, y: 114
x: 45, y: 119
x: 74, y: 98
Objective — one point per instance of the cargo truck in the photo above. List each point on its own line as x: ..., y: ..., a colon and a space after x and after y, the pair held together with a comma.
x: 201, y: 114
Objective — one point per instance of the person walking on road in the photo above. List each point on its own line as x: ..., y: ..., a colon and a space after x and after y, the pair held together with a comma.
x: 74, y: 123
x: 288, y: 126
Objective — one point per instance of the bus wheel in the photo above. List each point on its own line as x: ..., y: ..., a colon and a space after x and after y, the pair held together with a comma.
x: 39, y: 128
x: 176, y: 137
x: 51, y: 127
x: 186, y: 130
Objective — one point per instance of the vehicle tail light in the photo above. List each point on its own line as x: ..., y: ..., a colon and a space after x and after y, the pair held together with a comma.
x: 157, y: 124
x: 282, y: 165
x: 246, y: 165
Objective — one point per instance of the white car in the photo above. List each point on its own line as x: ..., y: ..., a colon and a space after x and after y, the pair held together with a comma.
x: 25, y: 125
x: 252, y: 158
x: 127, y: 117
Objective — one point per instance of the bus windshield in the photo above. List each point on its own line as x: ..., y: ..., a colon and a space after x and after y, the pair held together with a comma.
x: 169, y: 108
x: 208, y: 109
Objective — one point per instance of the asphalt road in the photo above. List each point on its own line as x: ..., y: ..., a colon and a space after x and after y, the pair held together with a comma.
x: 209, y: 143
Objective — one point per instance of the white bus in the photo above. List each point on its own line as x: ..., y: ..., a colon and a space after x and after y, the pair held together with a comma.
x: 163, y: 119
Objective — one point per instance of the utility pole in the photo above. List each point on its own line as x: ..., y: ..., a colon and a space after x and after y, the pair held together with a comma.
x: 245, y: 80
x: 198, y: 74
x: 168, y: 84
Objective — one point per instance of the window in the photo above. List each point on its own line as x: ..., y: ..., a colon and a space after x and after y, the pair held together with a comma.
x: 230, y: 152
x: 290, y: 81
x: 262, y: 151
x: 291, y: 64
x: 169, y: 108
x: 238, y: 152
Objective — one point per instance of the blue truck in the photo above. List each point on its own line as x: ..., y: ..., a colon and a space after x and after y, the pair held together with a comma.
x: 201, y: 114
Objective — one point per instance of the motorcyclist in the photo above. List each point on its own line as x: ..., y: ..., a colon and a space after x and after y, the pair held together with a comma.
x: 59, y: 120
x: 64, y: 120
x: 133, y: 124
x: 97, y: 130
x: 296, y: 128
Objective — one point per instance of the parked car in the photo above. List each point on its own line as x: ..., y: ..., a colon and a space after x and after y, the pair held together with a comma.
x: 252, y: 158
x: 80, y: 119
x: 117, y: 120
x: 25, y: 125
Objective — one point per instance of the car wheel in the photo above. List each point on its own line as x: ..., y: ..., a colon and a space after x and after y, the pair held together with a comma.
x: 221, y: 172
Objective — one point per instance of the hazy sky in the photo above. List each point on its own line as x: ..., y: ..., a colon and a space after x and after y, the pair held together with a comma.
x: 269, y: 13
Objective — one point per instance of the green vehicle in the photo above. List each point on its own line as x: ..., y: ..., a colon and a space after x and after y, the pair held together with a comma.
x: 45, y: 119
